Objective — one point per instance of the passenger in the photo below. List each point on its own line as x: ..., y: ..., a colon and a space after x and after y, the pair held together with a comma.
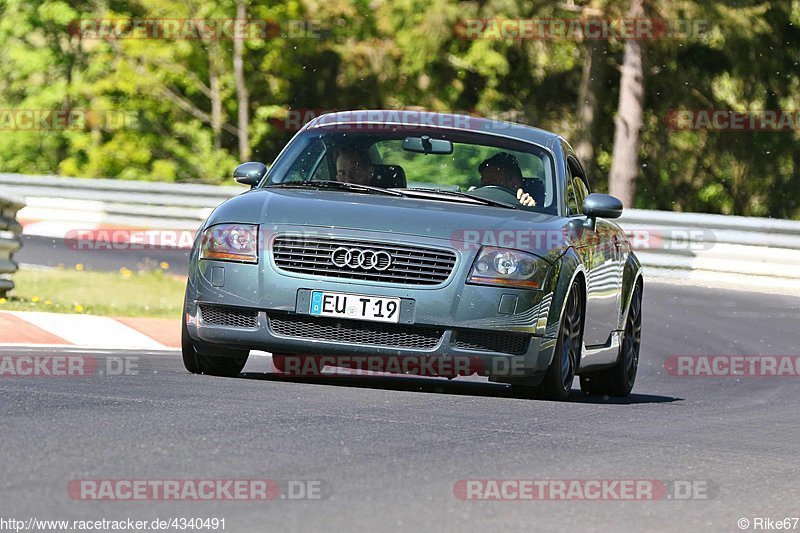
x: 502, y: 170
x: 354, y: 166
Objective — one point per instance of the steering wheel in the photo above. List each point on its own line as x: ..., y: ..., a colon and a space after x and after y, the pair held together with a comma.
x: 496, y: 192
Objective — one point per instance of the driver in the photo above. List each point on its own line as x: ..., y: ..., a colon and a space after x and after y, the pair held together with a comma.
x: 353, y: 166
x: 502, y: 170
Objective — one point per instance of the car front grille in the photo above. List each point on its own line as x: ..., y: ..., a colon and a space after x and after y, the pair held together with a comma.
x: 355, y: 332
x: 490, y: 341
x: 410, y: 265
x: 218, y: 315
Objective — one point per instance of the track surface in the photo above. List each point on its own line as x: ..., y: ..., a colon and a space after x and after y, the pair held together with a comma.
x: 390, y: 450
x: 48, y: 251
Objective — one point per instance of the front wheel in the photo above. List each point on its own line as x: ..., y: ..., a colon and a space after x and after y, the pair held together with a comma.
x: 229, y: 363
x: 619, y: 379
x: 557, y: 382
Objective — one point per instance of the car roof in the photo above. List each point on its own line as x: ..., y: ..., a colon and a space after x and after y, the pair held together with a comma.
x: 434, y: 120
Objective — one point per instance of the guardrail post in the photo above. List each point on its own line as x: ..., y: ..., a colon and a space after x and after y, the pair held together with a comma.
x: 10, y: 240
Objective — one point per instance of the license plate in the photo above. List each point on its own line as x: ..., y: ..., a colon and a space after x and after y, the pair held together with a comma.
x: 356, y: 306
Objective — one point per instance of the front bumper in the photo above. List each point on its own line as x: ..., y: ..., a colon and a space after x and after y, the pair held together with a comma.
x: 533, y: 353
x: 454, y: 319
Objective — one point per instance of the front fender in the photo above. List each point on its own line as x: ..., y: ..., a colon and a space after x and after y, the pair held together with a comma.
x: 632, y: 272
x: 567, y: 269
x: 569, y: 266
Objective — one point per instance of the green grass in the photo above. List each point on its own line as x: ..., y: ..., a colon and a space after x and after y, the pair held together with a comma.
x: 153, y: 293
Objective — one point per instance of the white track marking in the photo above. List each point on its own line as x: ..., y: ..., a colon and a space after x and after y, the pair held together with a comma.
x: 91, y: 331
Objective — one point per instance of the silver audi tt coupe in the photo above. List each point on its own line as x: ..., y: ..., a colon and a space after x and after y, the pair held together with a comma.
x: 435, y: 243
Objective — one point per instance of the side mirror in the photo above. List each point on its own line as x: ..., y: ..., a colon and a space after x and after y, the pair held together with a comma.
x: 602, y: 205
x: 250, y: 173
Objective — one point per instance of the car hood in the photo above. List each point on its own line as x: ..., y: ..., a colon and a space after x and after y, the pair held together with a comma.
x: 456, y: 223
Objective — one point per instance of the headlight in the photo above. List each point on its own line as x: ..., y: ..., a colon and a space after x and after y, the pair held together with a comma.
x: 511, y: 268
x: 230, y: 242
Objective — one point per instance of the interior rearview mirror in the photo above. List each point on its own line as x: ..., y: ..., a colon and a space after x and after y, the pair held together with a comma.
x: 426, y: 145
x: 250, y: 173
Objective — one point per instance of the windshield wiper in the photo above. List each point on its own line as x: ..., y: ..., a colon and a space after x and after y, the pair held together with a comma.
x: 341, y: 185
x: 458, y: 194
x: 367, y: 189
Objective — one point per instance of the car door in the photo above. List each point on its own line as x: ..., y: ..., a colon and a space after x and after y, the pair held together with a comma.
x: 599, y: 250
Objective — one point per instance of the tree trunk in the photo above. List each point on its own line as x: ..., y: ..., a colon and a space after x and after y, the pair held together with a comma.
x: 214, y: 90
x: 589, y: 97
x: 241, y: 88
x: 628, y: 121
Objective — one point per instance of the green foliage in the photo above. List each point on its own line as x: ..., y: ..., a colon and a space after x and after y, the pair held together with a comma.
x: 358, y: 54
x: 145, y: 293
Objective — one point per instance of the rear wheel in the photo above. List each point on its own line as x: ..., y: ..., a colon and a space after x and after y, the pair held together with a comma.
x: 228, y: 363
x: 619, y: 379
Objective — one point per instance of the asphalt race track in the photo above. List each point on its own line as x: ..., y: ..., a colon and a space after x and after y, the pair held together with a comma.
x: 49, y: 251
x: 388, y: 451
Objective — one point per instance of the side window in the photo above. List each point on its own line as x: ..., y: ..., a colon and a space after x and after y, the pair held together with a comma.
x: 581, y: 192
x: 572, y: 198
x: 577, y: 185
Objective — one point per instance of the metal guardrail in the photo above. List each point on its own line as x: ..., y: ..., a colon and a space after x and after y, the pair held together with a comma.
x: 139, y: 204
x: 10, y: 231
x: 757, y: 251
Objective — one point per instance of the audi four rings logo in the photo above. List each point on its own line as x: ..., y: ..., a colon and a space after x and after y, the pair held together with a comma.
x: 357, y: 258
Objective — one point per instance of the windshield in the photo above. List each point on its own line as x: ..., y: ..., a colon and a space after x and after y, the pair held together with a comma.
x: 424, y: 164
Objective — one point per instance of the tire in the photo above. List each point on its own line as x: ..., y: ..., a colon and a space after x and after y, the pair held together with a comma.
x: 557, y: 382
x: 189, y: 353
x: 619, y: 379
x: 228, y: 364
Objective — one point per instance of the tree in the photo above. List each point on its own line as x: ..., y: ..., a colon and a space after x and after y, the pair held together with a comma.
x: 241, y: 88
x: 202, y: 105
x: 628, y: 121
